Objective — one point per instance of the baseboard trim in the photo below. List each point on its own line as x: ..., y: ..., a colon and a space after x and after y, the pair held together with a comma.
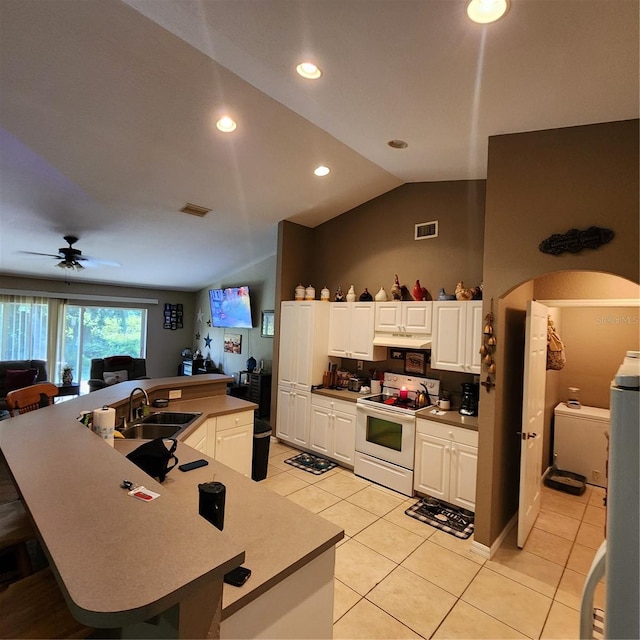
x: 488, y: 552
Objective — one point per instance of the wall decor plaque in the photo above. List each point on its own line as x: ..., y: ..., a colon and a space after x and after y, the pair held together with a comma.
x: 575, y: 240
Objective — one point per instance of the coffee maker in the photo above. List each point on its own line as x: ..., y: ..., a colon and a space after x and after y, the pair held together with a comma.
x: 469, y: 401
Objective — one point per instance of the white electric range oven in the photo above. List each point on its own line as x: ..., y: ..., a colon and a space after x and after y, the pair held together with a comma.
x: 386, y: 431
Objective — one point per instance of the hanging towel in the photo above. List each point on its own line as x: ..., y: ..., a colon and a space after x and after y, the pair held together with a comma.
x: 556, y: 358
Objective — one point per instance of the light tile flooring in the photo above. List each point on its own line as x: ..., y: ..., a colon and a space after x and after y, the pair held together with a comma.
x: 396, y: 577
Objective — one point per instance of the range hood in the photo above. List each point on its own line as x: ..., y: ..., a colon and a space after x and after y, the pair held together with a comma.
x: 402, y: 340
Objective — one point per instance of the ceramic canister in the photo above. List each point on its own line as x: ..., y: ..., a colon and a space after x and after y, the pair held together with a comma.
x: 309, y: 293
x: 299, y: 294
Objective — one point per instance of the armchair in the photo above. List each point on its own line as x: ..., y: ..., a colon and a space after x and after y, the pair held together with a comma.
x: 108, y: 371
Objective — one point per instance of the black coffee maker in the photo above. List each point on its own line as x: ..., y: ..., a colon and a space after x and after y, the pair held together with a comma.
x: 469, y: 401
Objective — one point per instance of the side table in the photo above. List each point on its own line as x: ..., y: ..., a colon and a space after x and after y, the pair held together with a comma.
x: 68, y: 390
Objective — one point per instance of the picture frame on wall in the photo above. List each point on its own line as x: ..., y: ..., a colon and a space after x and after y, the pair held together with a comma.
x: 415, y: 362
x: 267, y: 326
x: 233, y: 343
x: 396, y: 354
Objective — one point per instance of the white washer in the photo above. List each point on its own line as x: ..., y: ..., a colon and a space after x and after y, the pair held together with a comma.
x: 579, y: 441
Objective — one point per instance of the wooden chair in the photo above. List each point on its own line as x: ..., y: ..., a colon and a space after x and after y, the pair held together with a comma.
x: 31, y: 398
x: 34, y: 607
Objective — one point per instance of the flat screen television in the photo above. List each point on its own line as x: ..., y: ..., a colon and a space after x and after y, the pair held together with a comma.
x: 231, y: 308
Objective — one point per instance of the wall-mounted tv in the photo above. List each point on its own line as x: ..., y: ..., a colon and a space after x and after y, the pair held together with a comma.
x: 231, y: 308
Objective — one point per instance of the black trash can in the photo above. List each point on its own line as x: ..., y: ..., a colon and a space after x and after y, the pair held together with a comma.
x: 260, y: 460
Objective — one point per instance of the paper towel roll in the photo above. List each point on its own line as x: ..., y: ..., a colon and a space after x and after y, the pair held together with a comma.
x: 104, y: 422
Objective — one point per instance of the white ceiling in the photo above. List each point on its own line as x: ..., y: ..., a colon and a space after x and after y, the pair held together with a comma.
x: 107, y: 112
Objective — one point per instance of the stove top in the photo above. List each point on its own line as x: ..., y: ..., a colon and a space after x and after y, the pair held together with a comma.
x: 394, y: 401
x: 400, y: 392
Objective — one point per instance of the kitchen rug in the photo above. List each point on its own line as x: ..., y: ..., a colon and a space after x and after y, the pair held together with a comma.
x: 453, y: 520
x: 312, y: 464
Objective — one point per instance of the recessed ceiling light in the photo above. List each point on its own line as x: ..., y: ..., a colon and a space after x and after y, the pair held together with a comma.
x: 397, y: 144
x: 321, y: 171
x: 226, y: 124
x: 308, y: 70
x: 485, y: 11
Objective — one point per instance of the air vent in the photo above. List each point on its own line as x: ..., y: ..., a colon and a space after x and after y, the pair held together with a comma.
x: 426, y: 230
x: 195, y: 210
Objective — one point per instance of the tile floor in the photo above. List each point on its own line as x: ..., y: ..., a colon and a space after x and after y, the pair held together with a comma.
x: 396, y: 577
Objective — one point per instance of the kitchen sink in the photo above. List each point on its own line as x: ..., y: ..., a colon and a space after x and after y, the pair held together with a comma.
x: 150, y: 431
x: 170, y: 417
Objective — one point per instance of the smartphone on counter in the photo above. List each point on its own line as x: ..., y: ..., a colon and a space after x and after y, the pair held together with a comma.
x: 238, y: 576
x: 196, y: 464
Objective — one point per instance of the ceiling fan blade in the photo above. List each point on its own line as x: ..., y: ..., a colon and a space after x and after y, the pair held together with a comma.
x: 47, y: 255
x: 88, y: 261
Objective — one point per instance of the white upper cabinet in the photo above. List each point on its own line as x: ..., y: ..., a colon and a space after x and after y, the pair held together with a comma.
x: 457, y: 336
x: 303, y: 343
x: 404, y: 317
x: 351, y: 328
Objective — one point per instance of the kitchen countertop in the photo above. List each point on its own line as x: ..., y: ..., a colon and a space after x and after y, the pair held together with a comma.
x: 452, y: 418
x: 94, y: 533
x: 277, y: 535
x: 340, y: 394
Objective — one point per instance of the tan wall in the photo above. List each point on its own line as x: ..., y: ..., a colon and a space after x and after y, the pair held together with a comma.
x: 541, y: 183
x: 369, y: 244
x: 163, y: 345
x: 596, y: 340
x: 261, y: 279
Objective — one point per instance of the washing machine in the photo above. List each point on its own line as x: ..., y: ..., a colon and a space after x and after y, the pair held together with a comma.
x: 579, y: 441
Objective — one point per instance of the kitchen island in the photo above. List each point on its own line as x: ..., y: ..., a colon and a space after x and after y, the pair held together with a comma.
x: 121, y: 561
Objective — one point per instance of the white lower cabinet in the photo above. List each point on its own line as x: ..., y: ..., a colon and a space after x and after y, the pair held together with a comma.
x: 446, y: 463
x: 227, y: 439
x: 204, y: 438
x: 234, y: 441
x: 292, y: 422
x: 333, y: 429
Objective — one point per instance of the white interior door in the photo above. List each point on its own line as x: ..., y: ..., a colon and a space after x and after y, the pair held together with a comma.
x: 535, y: 371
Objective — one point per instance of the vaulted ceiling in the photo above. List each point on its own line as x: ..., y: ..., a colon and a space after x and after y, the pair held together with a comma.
x: 108, y: 110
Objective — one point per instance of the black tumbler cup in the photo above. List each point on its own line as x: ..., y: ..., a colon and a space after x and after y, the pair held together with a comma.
x: 211, y: 504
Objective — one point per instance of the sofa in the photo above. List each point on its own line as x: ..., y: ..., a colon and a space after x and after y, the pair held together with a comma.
x: 15, y: 374
x: 107, y: 371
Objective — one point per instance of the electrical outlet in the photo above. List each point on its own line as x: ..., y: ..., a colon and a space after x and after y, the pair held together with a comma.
x: 595, y: 475
x: 359, y: 365
x: 175, y: 394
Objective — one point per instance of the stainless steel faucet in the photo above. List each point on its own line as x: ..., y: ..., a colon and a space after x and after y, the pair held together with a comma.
x: 146, y: 400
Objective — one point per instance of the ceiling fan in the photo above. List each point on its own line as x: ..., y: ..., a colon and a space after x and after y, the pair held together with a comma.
x: 72, y: 258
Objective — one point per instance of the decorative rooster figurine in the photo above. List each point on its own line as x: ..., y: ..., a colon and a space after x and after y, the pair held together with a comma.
x: 462, y: 293
x: 396, y: 292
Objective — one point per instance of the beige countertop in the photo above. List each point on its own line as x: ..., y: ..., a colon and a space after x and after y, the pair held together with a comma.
x: 120, y: 560
x: 452, y: 418
x: 339, y: 394
x: 277, y: 535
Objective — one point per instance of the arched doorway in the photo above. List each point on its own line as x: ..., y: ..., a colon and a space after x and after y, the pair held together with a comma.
x: 501, y: 410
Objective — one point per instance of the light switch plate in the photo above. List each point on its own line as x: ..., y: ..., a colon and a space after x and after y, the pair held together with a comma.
x: 175, y: 394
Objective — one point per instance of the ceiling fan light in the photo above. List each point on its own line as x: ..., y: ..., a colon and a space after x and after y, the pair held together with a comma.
x: 486, y: 11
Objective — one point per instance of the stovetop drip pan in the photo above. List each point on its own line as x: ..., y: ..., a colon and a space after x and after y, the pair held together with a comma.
x: 451, y: 519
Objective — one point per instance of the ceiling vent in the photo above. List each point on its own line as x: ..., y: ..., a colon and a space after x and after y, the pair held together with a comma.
x: 195, y: 210
x: 426, y: 230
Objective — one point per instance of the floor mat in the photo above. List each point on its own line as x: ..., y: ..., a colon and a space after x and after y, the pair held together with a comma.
x: 453, y: 520
x: 310, y: 463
